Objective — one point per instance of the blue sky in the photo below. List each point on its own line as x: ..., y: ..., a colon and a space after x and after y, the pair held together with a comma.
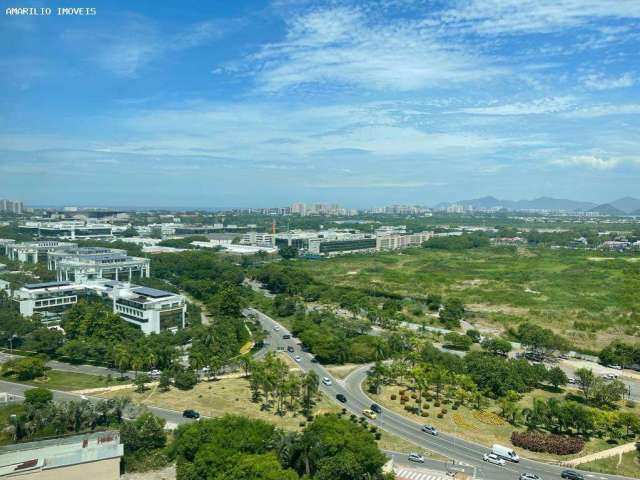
x: 215, y: 104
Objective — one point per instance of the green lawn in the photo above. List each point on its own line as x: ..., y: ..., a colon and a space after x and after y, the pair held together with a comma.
x: 628, y: 465
x: 589, y: 298
x: 5, y: 412
x: 59, y: 380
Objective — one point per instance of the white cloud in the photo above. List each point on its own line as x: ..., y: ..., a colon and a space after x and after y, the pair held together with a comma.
x: 596, y: 81
x: 535, y: 107
x: 343, y: 46
x: 591, y: 161
x: 528, y: 16
x: 126, y: 48
x: 603, y: 110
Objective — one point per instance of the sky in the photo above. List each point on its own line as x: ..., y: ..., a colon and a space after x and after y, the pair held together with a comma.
x: 256, y: 103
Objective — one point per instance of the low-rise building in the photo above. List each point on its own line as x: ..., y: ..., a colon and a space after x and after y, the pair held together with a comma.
x: 150, y: 309
x: 31, y: 251
x: 68, y: 229
x: 258, y: 239
x: 78, y: 457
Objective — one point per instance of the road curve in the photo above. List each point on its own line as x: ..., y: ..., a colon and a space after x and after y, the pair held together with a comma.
x: 466, y: 454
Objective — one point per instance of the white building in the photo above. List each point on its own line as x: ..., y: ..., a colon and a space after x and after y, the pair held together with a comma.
x: 395, y: 241
x: 90, y: 263
x: 148, y: 308
x: 68, y: 229
x: 30, y: 251
x: 258, y: 239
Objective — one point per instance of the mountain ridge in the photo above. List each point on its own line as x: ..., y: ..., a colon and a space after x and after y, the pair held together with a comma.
x: 621, y: 206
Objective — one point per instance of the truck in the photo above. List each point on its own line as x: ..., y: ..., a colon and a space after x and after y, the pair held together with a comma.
x: 505, y: 452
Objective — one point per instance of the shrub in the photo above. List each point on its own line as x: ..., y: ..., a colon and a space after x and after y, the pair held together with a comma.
x: 455, y: 406
x: 444, y: 411
x: 541, y: 442
x: 427, y: 406
x: 378, y: 435
x: 185, y: 380
x: 414, y: 396
x: 424, y: 414
x: 446, y: 401
x: 393, y: 396
x: 436, y: 404
x: 440, y: 415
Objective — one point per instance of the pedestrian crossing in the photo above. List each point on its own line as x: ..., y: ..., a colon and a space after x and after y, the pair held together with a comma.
x: 405, y: 474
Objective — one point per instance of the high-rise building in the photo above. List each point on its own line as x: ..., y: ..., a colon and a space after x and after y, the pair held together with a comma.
x: 12, y: 206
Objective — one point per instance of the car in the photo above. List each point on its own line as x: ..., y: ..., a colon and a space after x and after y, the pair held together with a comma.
x: 314, y: 360
x: 297, y: 358
x: 369, y: 414
x: 571, y: 380
x: 290, y: 349
x: 415, y: 457
x: 376, y: 408
x: 286, y: 336
x: 276, y: 328
x: 617, y: 367
x: 530, y: 476
x: 341, y: 398
x: 154, y: 373
x: 430, y: 430
x: 571, y: 475
x: 327, y: 381
x: 493, y: 458
x: 189, y: 413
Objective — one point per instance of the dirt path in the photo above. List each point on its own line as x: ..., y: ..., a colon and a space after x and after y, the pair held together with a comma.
x: 619, y: 450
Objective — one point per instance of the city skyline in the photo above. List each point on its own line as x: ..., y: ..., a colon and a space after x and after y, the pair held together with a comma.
x: 382, y: 103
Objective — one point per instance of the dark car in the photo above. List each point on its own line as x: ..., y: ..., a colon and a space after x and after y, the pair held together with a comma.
x: 376, y: 408
x: 341, y: 398
x: 290, y: 349
x: 190, y: 414
x: 571, y: 475
x: 286, y: 337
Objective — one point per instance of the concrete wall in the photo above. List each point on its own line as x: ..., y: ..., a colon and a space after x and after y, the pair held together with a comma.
x: 99, y: 470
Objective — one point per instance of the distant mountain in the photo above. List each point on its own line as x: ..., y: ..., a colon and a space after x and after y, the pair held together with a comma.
x: 542, y: 203
x: 607, y: 209
x: 626, y: 204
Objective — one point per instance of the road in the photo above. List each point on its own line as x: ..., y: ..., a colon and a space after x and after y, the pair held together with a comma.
x: 466, y: 454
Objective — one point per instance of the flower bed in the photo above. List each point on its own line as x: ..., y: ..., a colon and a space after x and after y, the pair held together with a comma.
x: 540, y: 442
x: 488, y: 418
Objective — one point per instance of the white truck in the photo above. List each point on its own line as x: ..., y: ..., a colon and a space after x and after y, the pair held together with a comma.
x: 505, y: 452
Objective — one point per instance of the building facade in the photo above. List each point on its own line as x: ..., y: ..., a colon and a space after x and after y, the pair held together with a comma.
x: 79, y: 457
x: 150, y: 309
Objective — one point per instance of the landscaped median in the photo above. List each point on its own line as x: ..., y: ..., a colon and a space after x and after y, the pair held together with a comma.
x: 483, y: 426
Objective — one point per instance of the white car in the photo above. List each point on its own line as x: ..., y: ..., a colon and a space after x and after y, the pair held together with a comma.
x: 155, y: 373
x: 297, y: 358
x: 571, y: 380
x: 415, y: 457
x: 617, y: 367
x: 530, y: 476
x: 493, y: 458
x: 327, y: 381
x: 276, y: 328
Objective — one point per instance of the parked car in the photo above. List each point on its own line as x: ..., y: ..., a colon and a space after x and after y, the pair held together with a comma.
x: 276, y: 328
x: 286, y: 336
x: 327, y: 381
x: 493, y: 458
x: 571, y: 475
x: 190, y: 414
x: 341, y: 398
x: 571, y: 380
x: 154, y: 373
x: 290, y: 349
x: 369, y: 414
x: 376, y: 408
x: 617, y: 367
x: 530, y: 476
x: 297, y: 358
x: 415, y: 457
x: 430, y: 430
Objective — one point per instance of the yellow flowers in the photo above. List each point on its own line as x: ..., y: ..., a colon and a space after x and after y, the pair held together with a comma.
x: 488, y: 418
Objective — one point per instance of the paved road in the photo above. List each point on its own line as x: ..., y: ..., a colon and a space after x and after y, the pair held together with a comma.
x: 18, y: 389
x: 465, y: 453
x: 68, y: 367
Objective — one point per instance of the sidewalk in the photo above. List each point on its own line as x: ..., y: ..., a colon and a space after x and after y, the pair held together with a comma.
x: 619, y: 450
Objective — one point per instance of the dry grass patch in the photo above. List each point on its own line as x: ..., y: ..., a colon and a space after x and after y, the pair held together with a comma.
x: 218, y: 398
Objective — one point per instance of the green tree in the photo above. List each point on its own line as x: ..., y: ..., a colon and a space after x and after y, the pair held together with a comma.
x: 586, y: 379
x: 164, y: 384
x: 140, y: 380
x: 556, y: 377
x: 497, y: 346
x: 185, y: 380
x: 38, y: 397
x: 146, y: 433
x: 26, y: 368
x: 288, y: 252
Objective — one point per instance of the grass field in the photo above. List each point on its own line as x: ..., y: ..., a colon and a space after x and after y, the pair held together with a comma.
x: 5, y: 412
x: 59, y: 380
x: 483, y: 428
x: 589, y: 301
x: 628, y: 465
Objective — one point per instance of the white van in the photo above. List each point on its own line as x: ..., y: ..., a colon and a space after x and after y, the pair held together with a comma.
x: 506, y: 453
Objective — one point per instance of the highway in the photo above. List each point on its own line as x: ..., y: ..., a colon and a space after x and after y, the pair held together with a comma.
x: 468, y: 455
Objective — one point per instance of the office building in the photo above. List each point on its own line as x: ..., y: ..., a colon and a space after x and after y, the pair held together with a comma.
x: 68, y: 229
x: 32, y: 251
x: 79, y: 457
x: 90, y: 263
x: 150, y: 309
x: 258, y: 239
